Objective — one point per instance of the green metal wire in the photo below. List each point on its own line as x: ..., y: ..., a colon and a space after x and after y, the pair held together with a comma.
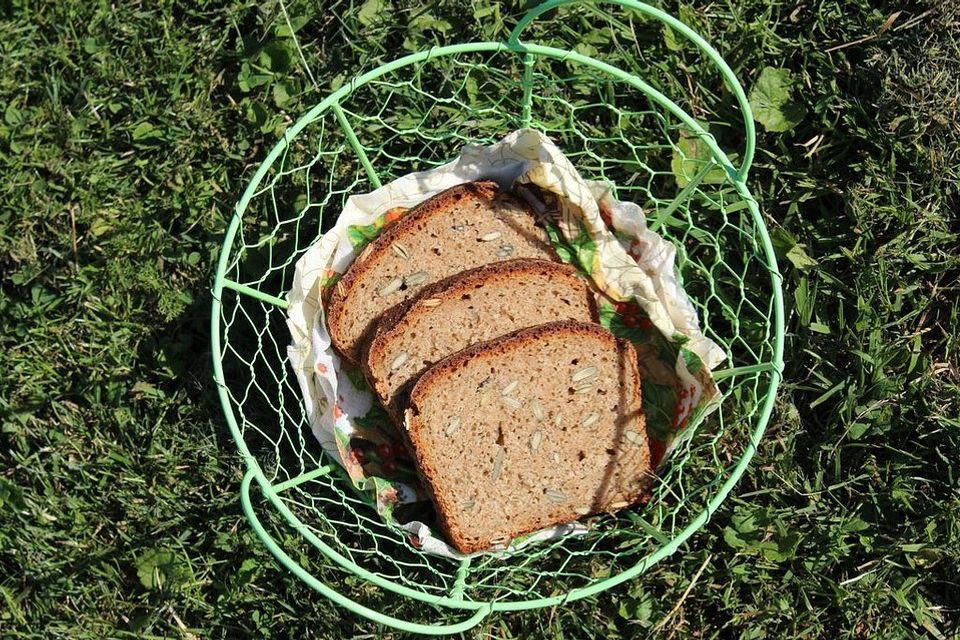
x: 678, y: 27
x: 415, y: 113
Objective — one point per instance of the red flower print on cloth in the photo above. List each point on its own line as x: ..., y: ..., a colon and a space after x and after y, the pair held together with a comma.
x: 605, y: 215
x: 392, y: 215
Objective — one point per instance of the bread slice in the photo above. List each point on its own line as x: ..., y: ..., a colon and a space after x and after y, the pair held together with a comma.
x: 466, y: 226
x: 466, y: 308
x: 541, y: 426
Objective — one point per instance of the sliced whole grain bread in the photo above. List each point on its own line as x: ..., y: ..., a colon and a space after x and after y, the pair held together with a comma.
x: 466, y: 308
x: 543, y: 425
x: 466, y: 226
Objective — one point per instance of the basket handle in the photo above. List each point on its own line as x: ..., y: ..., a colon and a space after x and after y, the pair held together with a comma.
x: 336, y: 596
x: 678, y: 27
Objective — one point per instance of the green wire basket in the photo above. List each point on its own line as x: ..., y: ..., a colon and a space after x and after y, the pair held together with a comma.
x: 416, y: 113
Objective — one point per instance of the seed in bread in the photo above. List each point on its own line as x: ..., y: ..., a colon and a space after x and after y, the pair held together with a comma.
x: 463, y: 227
x: 520, y: 472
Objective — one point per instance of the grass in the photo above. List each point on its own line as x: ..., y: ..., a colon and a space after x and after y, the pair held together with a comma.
x: 129, y: 131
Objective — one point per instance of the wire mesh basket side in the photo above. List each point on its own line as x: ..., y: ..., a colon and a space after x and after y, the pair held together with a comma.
x: 415, y: 114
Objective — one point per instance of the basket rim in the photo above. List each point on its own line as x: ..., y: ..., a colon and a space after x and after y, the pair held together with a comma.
x: 773, y: 367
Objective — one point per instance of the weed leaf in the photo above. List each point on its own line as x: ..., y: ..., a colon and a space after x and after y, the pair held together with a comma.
x: 771, y: 101
x: 690, y: 156
x: 159, y: 569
